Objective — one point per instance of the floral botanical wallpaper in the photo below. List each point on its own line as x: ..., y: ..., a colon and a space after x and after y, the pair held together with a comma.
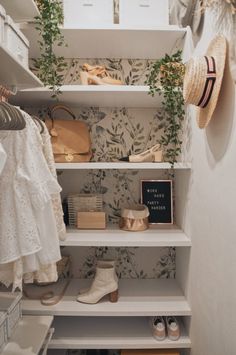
x: 115, y: 133
x: 118, y: 132
x: 129, y: 71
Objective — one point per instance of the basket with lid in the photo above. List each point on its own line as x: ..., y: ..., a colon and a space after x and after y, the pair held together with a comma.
x: 3, y: 330
x: 11, y: 304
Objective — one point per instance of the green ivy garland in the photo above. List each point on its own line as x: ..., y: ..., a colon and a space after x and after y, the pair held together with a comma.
x: 166, y: 79
x: 49, y: 66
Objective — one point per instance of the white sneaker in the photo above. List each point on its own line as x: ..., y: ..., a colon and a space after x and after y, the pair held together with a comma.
x: 158, y: 328
x: 173, y: 328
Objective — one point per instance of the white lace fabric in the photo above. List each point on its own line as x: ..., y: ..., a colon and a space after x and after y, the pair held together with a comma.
x: 3, y: 157
x: 28, y: 232
x: 56, y: 198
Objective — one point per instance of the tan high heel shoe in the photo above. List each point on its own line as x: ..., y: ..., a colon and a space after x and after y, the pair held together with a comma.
x: 153, y: 154
x: 97, y: 75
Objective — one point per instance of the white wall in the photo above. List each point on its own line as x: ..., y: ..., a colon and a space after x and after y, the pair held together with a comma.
x: 210, y: 219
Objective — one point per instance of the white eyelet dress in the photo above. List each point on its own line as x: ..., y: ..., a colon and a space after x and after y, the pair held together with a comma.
x: 28, y: 233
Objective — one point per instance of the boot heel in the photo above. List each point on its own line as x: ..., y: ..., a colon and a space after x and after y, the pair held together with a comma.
x: 158, y: 156
x: 84, y: 78
x: 113, y: 296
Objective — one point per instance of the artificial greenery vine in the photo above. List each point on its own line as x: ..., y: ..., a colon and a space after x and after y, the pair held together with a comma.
x: 166, y: 78
x: 49, y: 66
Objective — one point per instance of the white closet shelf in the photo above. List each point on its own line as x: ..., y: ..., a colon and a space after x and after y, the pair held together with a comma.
x: 92, y: 95
x: 13, y: 73
x: 110, y: 333
x: 121, y: 165
x: 160, y: 236
x: 137, y: 297
x: 28, y: 336
x: 113, y: 41
x: 21, y: 10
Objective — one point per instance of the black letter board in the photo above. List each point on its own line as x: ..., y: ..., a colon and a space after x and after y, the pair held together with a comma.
x: 157, y: 196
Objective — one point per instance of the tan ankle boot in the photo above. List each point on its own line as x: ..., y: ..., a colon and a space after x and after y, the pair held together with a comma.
x: 104, y: 283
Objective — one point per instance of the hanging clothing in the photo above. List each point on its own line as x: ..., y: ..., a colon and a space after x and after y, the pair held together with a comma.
x: 3, y: 157
x: 48, y: 273
x: 28, y: 232
x: 56, y: 198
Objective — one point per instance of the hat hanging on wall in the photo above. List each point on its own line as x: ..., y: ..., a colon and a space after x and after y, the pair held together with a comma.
x: 203, y: 79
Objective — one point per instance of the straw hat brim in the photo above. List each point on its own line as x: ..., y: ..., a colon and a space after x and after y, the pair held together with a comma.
x: 216, y: 49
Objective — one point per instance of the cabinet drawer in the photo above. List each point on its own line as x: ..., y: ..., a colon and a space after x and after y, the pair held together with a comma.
x: 140, y: 13
x: 88, y: 13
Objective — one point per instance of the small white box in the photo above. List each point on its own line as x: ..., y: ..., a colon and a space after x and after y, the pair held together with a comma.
x: 16, y: 42
x: 11, y: 304
x: 88, y: 13
x: 144, y: 13
x: 3, y: 330
x: 2, y: 21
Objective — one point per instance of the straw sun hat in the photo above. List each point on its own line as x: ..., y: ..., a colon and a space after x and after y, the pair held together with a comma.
x: 203, y: 78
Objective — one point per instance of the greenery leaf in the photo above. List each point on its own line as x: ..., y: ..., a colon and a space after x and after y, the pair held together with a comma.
x: 49, y: 65
x: 166, y: 78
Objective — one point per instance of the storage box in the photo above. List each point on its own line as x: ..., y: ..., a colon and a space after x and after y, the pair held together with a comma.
x: 16, y: 42
x: 88, y: 13
x: 3, y: 330
x: 91, y: 220
x: 149, y: 352
x: 11, y: 304
x: 2, y: 22
x: 144, y: 13
x: 83, y: 203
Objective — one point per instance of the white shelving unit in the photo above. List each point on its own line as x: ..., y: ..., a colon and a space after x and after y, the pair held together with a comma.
x: 13, y: 73
x: 91, y: 95
x: 113, y: 42
x: 118, y: 333
x: 121, y: 165
x: 161, y: 236
x: 123, y: 324
x: 28, y: 336
x: 21, y: 10
x: 137, y: 297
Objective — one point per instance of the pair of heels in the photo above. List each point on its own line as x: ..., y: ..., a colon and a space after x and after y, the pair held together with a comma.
x: 169, y: 327
x: 105, y: 283
x: 153, y: 154
x: 97, y: 75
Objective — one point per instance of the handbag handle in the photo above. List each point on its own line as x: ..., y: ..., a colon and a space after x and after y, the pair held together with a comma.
x: 51, y: 112
x: 55, y: 108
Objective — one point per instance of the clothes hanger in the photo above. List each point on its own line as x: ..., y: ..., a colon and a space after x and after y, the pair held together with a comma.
x: 38, y: 122
x: 11, y: 118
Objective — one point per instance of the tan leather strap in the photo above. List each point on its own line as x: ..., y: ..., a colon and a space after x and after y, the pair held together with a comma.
x: 48, y: 298
x: 55, y: 108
